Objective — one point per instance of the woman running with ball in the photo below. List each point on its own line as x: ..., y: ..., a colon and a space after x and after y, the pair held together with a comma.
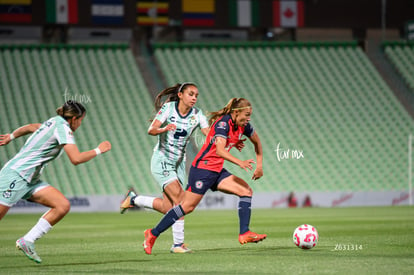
x: 20, y: 176
x: 174, y: 123
x: 228, y: 125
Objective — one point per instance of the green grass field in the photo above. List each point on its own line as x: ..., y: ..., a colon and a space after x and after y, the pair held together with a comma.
x: 351, y: 240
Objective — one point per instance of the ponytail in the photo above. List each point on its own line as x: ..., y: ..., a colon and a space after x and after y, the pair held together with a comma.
x: 234, y: 104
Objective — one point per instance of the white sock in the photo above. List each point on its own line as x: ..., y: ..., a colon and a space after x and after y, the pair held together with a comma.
x: 178, y: 232
x: 41, y: 228
x: 144, y: 201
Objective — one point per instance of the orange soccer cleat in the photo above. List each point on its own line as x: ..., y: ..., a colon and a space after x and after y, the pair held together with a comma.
x: 251, y: 237
x: 126, y: 203
x: 149, y: 241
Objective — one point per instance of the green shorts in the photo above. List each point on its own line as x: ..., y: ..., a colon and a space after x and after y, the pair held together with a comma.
x: 164, y: 171
x: 13, y: 187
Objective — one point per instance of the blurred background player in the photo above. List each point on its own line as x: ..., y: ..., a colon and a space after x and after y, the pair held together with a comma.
x: 207, y: 172
x: 174, y: 123
x: 307, y: 202
x: 292, y: 200
x: 20, y: 176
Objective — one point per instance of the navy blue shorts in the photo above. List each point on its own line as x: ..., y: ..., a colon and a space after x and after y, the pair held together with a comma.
x: 200, y: 180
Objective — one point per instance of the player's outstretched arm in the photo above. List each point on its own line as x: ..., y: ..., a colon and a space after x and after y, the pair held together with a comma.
x: 258, y: 172
x: 24, y: 130
x: 77, y: 157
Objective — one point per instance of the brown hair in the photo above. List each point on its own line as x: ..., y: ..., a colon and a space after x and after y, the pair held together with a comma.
x: 171, y: 93
x: 71, y: 109
x: 233, y: 105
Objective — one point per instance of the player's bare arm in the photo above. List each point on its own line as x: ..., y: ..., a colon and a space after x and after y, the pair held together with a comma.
x: 22, y: 131
x: 205, y: 131
x: 258, y: 173
x: 222, y: 152
x: 77, y: 157
x: 155, y: 128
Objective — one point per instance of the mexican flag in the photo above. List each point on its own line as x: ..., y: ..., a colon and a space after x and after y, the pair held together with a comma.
x: 288, y: 14
x: 62, y: 11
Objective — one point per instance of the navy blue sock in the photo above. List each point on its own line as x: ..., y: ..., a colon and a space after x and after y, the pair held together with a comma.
x: 245, y: 210
x: 168, y: 220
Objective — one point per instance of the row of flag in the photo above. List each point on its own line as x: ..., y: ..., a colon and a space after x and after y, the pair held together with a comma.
x: 242, y: 13
x: 110, y: 12
x: 245, y: 13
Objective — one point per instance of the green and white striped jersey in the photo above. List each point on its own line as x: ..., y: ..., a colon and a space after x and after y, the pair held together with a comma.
x: 172, y: 143
x: 42, y: 146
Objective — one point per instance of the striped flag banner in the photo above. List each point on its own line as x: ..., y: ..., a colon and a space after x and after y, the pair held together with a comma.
x: 244, y: 13
x: 198, y: 12
x: 288, y: 14
x: 62, y: 11
x: 152, y: 12
x: 107, y: 12
x: 16, y: 11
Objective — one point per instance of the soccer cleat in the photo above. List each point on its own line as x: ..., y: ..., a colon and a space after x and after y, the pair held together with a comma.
x: 28, y: 249
x: 126, y: 203
x: 251, y: 237
x: 180, y: 249
x: 149, y: 241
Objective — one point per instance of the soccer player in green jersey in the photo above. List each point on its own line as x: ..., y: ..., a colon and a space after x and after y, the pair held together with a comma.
x: 174, y: 123
x: 20, y: 176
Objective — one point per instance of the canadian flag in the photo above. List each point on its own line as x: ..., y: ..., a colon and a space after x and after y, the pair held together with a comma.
x: 288, y: 14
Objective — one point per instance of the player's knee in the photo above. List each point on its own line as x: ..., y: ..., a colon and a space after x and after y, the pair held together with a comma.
x: 248, y: 192
x: 188, y: 209
x: 63, y: 208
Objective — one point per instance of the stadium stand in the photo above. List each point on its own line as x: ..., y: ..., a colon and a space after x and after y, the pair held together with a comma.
x: 325, y: 100
x: 327, y: 120
x: 401, y: 54
x: 36, y: 79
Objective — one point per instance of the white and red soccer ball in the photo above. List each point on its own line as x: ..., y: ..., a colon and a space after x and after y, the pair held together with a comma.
x: 305, y: 236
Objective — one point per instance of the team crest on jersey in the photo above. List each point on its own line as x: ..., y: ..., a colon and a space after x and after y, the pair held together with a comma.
x: 199, y: 184
x: 7, y: 194
x: 166, y: 173
x: 222, y: 125
x: 193, y: 121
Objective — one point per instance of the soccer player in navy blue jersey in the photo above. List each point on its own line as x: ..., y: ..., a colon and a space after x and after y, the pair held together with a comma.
x: 228, y: 125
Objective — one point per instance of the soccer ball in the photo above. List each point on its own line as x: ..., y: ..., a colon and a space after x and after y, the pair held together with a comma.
x: 305, y: 236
